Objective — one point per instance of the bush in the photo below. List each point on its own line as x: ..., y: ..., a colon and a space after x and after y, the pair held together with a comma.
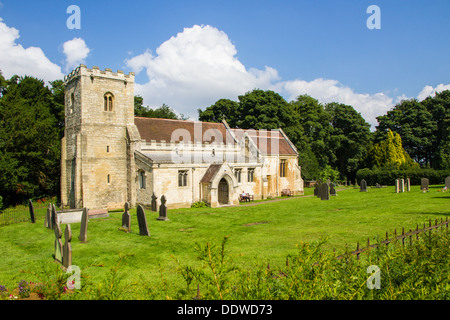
x: 388, y: 176
x: 199, y: 204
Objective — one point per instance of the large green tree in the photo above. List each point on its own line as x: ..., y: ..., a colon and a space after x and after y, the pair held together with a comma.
x: 423, y: 127
x: 29, y: 140
x: 350, y: 138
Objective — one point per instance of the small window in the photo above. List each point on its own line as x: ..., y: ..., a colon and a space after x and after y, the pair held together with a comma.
x: 238, y: 172
x: 182, y: 178
x: 108, y: 179
x: 108, y: 101
x: 142, y: 179
x: 72, y: 102
x: 283, y: 168
x: 250, y: 174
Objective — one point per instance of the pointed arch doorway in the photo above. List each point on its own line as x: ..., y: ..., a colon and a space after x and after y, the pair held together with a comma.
x: 224, y: 192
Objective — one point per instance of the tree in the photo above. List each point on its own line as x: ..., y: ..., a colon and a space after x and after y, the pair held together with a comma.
x: 389, y: 153
x: 223, y: 109
x: 164, y: 111
x: 350, y: 138
x: 29, y: 140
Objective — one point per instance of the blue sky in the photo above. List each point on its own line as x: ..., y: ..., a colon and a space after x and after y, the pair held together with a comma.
x: 189, y: 54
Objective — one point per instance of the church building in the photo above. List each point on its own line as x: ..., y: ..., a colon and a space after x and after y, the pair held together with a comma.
x: 109, y: 156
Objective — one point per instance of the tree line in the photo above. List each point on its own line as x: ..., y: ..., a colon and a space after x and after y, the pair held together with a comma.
x: 333, y: 139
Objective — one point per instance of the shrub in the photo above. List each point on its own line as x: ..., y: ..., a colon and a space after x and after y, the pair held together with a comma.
x: 199, y: 204
x: 388, y: 176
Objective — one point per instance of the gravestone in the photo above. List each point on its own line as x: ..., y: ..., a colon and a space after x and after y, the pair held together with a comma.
x: 402, y: 185
x: 408, y: 185
x: 316, y: 189
x: 424, y: 184
x: 447, y: 183
x: 363, y: 186
x: 324, y: 192
x: 54, y: 217
x: 32, y: 217
x: 163, y: 209
x: 58, y: 242
x: 153, y: 203
x: 126, y: 217
x: 142, y: 221
x: 48, y: 218
x: 333, y: 190
x: 67, y: 248
x: 84, y: 225
x: 397, y: 185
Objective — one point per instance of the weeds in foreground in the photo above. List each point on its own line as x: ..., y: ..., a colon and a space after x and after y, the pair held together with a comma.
x: 417, y: 271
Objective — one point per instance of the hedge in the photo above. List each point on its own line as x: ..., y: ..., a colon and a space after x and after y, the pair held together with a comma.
x: 387, y: 177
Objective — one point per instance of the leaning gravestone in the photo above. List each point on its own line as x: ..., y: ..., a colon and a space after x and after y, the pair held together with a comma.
x: 163, y: 210
x: 424, y: 184
x: 447, y: 182
x: 84, y: 225
x: 58, y: 242
x: 153, y: 203
x: 32, y: 217
x: 67, y: 248
x: 363, y: 186
x: 142, y: 221
x: 126, y: 218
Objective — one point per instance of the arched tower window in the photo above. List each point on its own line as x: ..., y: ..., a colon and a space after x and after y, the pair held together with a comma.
x: 108, y: 99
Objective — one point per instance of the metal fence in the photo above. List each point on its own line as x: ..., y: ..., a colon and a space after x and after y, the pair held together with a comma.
x: 22, y: 214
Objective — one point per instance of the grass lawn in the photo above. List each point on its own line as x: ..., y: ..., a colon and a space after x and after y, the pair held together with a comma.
x: 262, y: 233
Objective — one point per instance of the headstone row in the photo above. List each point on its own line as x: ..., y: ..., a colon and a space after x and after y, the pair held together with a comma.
x: 402, y: 184
x: 141, y: 216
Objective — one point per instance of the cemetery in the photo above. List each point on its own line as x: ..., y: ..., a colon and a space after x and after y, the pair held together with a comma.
x: 154, y: 244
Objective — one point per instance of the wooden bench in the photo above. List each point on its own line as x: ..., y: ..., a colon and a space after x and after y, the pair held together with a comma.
x: 246, y: 197
x: 287, y: 192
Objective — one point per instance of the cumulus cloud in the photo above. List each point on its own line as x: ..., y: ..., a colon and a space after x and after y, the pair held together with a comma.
x: 199, y: 66
x: 15, y: 59
x: 76, y: 52
x: 194, y: 69
x: 325, y: 90
x: 428, y: 91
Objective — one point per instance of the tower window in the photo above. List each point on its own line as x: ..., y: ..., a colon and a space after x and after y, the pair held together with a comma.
x: 108, y: 178
x: 108, y: 101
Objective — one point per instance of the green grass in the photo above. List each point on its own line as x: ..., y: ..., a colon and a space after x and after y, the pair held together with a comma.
x: 264, y: 233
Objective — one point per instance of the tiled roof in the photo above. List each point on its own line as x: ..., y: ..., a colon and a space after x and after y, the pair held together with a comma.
x: 268, y: 141
x: 169, y: 130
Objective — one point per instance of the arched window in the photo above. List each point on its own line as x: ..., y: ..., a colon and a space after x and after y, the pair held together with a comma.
x: 108, y: 101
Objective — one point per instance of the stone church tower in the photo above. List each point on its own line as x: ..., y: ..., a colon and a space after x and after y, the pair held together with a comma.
x: 96, y: 159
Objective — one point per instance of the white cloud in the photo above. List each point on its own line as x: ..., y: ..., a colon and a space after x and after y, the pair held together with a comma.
x: 428, y: 91
x: 15, y: 59
x: 194, y: 69
x: 199, y: 66
x: 325, y: 90
x: 76, y: 52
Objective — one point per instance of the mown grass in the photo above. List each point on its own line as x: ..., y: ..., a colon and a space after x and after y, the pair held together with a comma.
x: 257, y: 234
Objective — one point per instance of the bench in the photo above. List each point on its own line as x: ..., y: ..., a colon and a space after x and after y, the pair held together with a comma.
x: 287, y: 192
x: 246, y: 197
